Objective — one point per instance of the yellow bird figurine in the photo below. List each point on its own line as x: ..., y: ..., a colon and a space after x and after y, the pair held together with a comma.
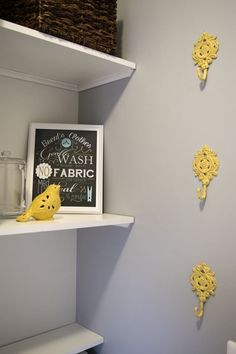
x: 44, y: 206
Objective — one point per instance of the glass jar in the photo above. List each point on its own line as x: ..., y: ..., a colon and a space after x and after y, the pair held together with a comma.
x: 12, y: 185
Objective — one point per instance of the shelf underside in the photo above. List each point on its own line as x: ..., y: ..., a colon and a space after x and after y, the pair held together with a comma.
x: 63, y: 222
x: 71, y: 339
x: 34, y: 56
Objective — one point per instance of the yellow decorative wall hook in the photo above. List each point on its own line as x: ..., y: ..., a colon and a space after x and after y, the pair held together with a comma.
x: 203, y: 282
x: 204, y: 51
x: 205, y: 167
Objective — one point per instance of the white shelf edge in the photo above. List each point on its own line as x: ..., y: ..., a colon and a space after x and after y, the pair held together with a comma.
x: 61, y: 42
x: 70, y: 339
x: 63, y: 222
x: 122, y: 68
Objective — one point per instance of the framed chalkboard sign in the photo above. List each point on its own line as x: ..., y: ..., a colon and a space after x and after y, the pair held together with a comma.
x: 70, y: 155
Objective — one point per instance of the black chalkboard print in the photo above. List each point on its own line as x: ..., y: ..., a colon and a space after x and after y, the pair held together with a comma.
x: 70, y: 156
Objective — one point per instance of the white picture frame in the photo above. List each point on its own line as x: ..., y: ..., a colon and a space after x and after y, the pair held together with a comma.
x: 70, y: 155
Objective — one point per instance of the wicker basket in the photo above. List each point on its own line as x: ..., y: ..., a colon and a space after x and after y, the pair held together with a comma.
x: 91, y: 23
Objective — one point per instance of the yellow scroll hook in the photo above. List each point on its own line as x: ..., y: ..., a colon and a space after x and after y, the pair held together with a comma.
x: 203, y: 282
x: 204, y: 51
x: 205, y: 166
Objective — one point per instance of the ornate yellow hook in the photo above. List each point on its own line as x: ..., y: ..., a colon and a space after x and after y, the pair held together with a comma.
x: 205, y: 166
x: 203, y: 282
x: 204, y: 51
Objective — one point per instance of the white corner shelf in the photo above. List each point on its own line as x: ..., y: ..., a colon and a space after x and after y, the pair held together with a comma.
x: 31, y: 55
x: 70, y: 339
x: 63, y: 222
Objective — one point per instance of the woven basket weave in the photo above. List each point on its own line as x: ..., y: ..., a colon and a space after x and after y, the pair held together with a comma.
x: 91, y: 23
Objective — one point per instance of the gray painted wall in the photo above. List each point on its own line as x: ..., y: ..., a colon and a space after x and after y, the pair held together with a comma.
x: 133, y: 285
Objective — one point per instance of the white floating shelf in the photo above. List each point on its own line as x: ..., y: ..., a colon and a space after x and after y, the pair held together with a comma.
x: 71, y: 339
x: 63, y: 222
x: 30, y: 55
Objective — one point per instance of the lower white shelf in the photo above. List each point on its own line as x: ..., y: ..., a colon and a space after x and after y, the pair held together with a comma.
x: 71, y: 339
x: 63, y: 222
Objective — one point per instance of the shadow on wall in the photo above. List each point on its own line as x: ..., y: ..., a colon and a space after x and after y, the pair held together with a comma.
x: 93, y: 351
x: 98, y: 255
x: 103, y: 99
